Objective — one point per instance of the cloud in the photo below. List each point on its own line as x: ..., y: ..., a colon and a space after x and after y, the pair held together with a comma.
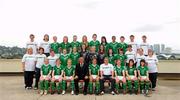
x: 149, y: 28
x: 90, y: 5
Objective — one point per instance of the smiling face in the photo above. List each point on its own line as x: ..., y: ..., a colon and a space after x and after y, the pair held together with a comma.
x: 55, y: 38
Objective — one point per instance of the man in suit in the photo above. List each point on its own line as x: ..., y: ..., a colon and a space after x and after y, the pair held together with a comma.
x: 81, y: 73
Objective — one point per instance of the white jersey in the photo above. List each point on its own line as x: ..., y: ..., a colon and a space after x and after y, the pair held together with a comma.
x: 134, y: 46
x: 106, y: 69
x: 139, y: 58
x: 52, y: 60
x: 32, y: 45
x: 40, y: 60
x: 152, y: 63
x: 130, y: 55
x: 145, y: 47
x: 30, y: 61
x: 46, y: 46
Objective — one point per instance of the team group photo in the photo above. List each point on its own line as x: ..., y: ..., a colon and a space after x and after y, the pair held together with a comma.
x: 54, y: 67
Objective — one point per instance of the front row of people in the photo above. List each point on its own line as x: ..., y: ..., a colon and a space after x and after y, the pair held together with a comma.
x: 57, y: 78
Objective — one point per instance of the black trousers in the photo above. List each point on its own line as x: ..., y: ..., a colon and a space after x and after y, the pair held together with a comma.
x: 47, y: 54
x: 153, y: 79
x: 37, y: 76
x: 76, y: 81
x: 107, y: 77
x: 28, y: 78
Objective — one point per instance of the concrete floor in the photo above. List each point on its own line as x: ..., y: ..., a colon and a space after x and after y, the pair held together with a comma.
x: 12, y: 89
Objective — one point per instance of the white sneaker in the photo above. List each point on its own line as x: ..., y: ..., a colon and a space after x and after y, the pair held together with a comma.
x: 142, y: 91
x: 112, y: 93
x: 63, y: 92
x: 102, y: 93
x: 72, y: 92
x: 45, y: 92
x: 41, y: 92
x: 147, y: 92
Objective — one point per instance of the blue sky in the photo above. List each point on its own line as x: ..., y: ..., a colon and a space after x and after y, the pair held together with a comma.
x: 158, y: 19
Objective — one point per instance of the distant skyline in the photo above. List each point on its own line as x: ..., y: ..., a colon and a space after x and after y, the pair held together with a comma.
x: 158, y: 19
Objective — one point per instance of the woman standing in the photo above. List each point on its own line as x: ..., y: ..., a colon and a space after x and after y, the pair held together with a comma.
x: 46, y: 45
x: 101, y: 55
x: 28, y: 66
x: 104, y: 43
x: 152, y: 62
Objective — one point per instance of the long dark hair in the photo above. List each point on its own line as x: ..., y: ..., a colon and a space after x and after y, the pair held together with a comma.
x: 100, y: 49
x: 103, y: 37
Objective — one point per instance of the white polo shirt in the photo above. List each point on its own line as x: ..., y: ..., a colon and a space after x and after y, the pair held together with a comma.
x: 52, y: 60
x: 130, y: 55
x: 139, y: 58
x: 40, y: 60
x: 152, y: 63
x: 30, y: 61
x: 145, y: 47
x: 106, y: 69
x: 33, y: 45
x: 134, y: 46
x: 46, y: 46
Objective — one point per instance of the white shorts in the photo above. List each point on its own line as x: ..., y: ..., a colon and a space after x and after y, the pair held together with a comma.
x: 132, y: 76
x: 94, y: 77
x: 45, y: 76
x: 120, y: 77
x: 144, y: 77
x: 57, y: 77
x: 68, y: 77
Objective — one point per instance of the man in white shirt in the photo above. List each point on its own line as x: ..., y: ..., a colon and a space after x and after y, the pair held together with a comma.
x: 130, y: 54
x: 133, y: 43
x: 32, y: 44
x: 144, y: 45
x: 140, y: 55
x: 107, y: 73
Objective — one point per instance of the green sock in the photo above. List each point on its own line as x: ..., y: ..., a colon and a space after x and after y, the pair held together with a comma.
x: 142, y: 85
x: 90, y: 87
x: 59, y: 86
x: 117, y: 86
x: 147, y: 85
x: 41, y: 85
x: 136, y: 84
x: 64, y: 85
x: 124, y: 86
x: 97, y: 87
x: 129, y: 85
x: 72, y: 85
x: 46, y: 84
x: 53, y: 86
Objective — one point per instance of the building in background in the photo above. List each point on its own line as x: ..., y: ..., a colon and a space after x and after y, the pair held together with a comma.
x: 156, y: 48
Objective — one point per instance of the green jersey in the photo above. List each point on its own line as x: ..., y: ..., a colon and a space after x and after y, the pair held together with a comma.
x: 111, y: 59
x: 143, y: 70
x: 66, y: 46
x: 119, y: 70
x: 94, y: 69
x: 69, y: 71
x: 55, y: 47
x: 75, y: 44
x: 123, y: 46
x: 95, y: 43
x: 131, y: 70
x: 74, y: 57
x: 64, y: 59
x: 46, y: 69
x: 58, y: 70
x: 122, y: 58
x: 113, y: 46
